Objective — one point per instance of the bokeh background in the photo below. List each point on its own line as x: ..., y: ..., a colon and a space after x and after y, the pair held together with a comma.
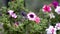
x: 33, y: 5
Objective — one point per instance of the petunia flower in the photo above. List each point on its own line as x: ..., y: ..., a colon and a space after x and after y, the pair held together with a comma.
x: 37, y: 20
x: 14, y: 15
x: 51, y: 15
x: 10, y: 12
x: 46, y: 8
x: 57, y: 26
x: 51, y: 30
x: 16, y: 24
x: 55, y: 3
x: 31, y: 16
x: 57, y: 10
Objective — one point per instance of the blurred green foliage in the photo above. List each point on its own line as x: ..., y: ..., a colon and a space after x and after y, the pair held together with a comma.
x: 26, y: 26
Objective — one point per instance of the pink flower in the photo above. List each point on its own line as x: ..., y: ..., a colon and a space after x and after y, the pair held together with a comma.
x: 10, y: 12
x: 14, y: 15
x: 52, y: 31
x: 57, y: 26
x: 57, y: 10
x: 46, y: 8
x: 31, y: 16
x: 37, y: 20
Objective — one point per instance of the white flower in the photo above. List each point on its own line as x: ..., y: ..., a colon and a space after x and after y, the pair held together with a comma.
x: 52, y: 15
x: 57, y: 10
x: 10, y: 12
x: 31, y: 16
x: 51, y: 30
x: 57, y: 26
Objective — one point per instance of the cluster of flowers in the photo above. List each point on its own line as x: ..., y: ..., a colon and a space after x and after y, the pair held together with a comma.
x: 52, y: 30
x: 31, y: 16
x: 46, y: 8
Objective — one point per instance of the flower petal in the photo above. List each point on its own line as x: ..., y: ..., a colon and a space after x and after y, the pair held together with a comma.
x: 57, y: 10
x: 31, y: 16
x: 46, y: 8
x: 14, y: 15
x: 10, y: 12
x: 37, y: 20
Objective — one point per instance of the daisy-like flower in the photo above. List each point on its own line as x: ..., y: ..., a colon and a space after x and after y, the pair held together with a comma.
x: 37, y: 20
x: 51, y: 15
x: 46, y: 8
x: 31, y: 16
x: 57, y: 10
x: 51, y: 30
x: 10, y: 12
x: 14, y: 15
x: 55, y: 3
x: 57, y: 26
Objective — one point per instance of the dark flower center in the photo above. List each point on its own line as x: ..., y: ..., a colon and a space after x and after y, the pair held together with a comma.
x: 32, y: 16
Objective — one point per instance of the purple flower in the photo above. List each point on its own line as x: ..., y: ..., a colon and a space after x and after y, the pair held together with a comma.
x: 23, y: 14
x: 55, y: 3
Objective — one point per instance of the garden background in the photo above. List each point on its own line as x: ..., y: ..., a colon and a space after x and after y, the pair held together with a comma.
x: 26, y: 26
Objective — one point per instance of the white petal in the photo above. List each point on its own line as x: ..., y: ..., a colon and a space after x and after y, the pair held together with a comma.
x: 57, y: 10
